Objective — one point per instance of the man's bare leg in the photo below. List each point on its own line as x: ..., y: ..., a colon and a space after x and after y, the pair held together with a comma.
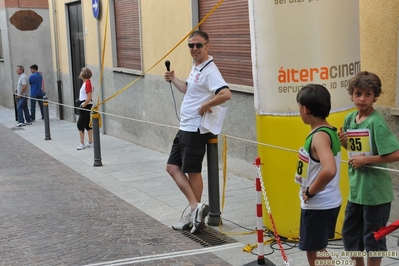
x: 196, y: 184
x: 183, y: 183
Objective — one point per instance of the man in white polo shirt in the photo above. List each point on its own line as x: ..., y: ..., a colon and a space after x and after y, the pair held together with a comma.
x: 203, y: 89
x: 22, y: 105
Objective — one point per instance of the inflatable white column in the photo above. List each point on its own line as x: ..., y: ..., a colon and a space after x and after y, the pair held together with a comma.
x: 294, y: 43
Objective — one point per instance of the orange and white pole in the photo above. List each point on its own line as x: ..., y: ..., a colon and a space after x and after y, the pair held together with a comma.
x: 259, y: 219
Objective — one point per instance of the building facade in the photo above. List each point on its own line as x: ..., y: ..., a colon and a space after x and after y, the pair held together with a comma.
x: 125, y: 44
x: 24, y: 40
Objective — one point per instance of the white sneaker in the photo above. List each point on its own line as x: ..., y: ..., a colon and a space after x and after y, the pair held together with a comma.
x: 184, y: 224
x: 198, y: 217
x: 20, y: 125
x: 89, y: 144
x: 81, y: 146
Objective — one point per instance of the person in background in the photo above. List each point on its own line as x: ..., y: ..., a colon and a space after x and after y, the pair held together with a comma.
x: 318, y: 174
x: 203, y: 89
x: 22, y: 105
x: 43, y: 85
x: 85, y: 103
x: 36, y: 93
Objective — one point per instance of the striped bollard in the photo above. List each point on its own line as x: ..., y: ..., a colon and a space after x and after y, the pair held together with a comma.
x: 259, y: 221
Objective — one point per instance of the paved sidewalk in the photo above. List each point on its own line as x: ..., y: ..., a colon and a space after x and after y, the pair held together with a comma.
x: 52, y: 215
x: 137, y: 175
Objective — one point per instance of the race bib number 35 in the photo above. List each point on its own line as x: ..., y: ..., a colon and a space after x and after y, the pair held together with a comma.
x: 359, y: 142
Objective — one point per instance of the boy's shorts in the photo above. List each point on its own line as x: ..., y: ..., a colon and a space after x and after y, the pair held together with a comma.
x: 188, y: 151
x: 360, y: 223
x: 317, y: 226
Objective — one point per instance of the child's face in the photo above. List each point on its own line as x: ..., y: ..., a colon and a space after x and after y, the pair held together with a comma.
x: 363, y: 99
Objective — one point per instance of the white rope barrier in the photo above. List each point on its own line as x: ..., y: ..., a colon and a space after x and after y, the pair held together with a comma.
x: 228, y: 136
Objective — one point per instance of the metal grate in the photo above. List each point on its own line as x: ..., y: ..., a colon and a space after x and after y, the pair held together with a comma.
x: 209, y: 237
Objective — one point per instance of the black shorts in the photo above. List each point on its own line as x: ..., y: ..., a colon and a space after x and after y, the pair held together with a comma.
x: 188, y: 151
x: 84, y: 118
x: 360, y: 223
x: 317, y: 226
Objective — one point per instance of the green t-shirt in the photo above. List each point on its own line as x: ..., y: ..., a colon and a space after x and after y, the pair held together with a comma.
x: 370, y: 186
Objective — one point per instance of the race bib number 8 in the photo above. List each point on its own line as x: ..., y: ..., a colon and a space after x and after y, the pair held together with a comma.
x: 359, y: 142
x: 301, y: 175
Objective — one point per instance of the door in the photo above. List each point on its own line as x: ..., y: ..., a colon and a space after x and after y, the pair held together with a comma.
x: 77, y: 46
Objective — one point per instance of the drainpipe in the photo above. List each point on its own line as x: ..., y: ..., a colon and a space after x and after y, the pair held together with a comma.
x: 57, y: 61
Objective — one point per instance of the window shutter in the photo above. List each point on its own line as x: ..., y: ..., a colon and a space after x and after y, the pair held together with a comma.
x: 127, y: 26
x: 229, y: 34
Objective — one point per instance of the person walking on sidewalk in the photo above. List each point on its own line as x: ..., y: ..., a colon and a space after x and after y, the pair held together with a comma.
x: 36, y: 91
x: 85, y: 102
x: 203, y: 89
x: 22, y: 105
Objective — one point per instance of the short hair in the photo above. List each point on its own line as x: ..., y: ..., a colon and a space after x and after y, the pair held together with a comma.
x: 316, y: 98
x: 365, y: 80
x: 85, y: 73
x: 35, y: 67
x: 201, y: 33
x: 21, y: 67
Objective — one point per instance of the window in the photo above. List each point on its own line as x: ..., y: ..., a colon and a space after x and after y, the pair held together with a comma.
x: 229, y: 34
x: 127, y: 28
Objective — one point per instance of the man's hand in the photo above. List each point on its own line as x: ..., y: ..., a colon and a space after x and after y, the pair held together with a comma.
x: 169, y: 75
x: 202, y: 110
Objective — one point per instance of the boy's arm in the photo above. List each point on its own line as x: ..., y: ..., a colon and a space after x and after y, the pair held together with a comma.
x: 360, y: 160
x: 322, y: 144
x: 343, y: 138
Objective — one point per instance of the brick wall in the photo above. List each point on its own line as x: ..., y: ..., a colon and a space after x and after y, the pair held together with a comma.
x: 24, y: 3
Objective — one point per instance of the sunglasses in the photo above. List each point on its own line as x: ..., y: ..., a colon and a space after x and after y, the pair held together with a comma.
x: 198, y: 45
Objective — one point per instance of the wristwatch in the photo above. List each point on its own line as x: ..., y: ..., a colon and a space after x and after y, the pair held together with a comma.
x: 309, y: 195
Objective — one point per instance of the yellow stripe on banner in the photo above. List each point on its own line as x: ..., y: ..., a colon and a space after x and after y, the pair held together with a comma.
x: 182, y: 40
x: 224, y: 161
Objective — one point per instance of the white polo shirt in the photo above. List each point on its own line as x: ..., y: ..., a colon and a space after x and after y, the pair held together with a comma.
x: 202, y: 83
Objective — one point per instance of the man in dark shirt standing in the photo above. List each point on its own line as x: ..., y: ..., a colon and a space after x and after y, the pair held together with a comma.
x: 36, y: 93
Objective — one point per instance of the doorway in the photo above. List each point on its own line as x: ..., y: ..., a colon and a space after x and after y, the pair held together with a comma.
x: 77, y: 46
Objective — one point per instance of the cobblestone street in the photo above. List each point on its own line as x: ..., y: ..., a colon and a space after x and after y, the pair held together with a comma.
x: 52, y: 215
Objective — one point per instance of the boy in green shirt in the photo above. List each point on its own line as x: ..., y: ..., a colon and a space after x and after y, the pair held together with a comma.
x: 368, y: 141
